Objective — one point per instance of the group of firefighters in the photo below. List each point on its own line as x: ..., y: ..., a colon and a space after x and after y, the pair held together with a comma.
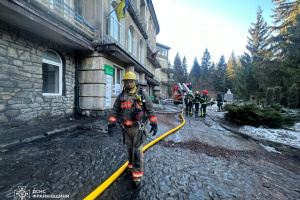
x: 197, y: 99
x: 132, y: 109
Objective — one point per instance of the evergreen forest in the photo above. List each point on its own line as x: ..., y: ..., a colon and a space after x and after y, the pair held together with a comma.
x: 268, y: 74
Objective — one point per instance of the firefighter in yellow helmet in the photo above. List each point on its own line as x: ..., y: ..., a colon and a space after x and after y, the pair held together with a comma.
x: 131, y: 108
x: 197, y: 103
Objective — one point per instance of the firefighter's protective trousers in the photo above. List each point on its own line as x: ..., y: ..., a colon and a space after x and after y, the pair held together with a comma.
x: 134, y: 154
x: 124, y: 108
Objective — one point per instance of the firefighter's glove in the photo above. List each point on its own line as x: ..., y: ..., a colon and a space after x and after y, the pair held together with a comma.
x: 110, y: 129
x: 154, y: 129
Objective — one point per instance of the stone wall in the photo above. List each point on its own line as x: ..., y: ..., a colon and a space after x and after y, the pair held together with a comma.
x: 21, y: 97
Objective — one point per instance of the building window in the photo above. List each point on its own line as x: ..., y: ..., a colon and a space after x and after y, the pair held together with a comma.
x: 130, y: 39
x: 117, y: 81
x: 51, y: 4
x: 52, y: 73
x: 141, y: 51
x: 114, y: 23
x: 66, y: 9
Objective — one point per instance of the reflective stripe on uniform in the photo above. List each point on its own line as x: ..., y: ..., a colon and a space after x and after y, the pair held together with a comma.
x: 134, y: 174
x: 112, y: 119
x: 126, y: 105
x: 128, y: 123
x: 130, y: 166
x: 129, y: 105
x: 153, y: 119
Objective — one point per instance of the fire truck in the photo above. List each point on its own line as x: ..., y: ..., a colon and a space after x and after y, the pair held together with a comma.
x: 180, y: 91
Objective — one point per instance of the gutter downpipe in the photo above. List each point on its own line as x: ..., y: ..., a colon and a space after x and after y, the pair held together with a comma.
x: 77, y: 108
x: 113, y: 177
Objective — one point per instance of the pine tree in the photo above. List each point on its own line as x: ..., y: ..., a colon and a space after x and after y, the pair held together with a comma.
x: 245, y: 83
x: 231, y: 70
x: 205, y: 65
x: 195, y: 73
x: 185, y: 72
x: 286, y: 45
x: 257, y: 46
x: 178, y: 70
x: 232, y: 66
x: 219, y: 75
x: 259, y: 34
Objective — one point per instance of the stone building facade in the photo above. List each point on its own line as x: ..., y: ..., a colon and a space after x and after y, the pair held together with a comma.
x: 21, y: 83
x: 54, y: 55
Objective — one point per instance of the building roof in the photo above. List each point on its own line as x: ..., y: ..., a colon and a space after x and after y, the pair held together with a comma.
x: 164, y: 46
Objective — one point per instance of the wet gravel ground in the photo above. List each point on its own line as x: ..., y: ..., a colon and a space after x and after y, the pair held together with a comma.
x: 199, y: 161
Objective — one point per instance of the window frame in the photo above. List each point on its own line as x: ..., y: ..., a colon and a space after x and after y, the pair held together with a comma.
x: 113, y: 22
x: 115, y: 82
x: 60, y: 75
x: 141, y: 51
x: 131, y: 37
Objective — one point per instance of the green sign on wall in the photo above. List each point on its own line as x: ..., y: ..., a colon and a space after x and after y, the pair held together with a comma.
x: 108, y: 70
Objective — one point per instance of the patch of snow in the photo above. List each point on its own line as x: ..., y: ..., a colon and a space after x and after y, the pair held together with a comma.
x: 283, y: 136
x: 270, y: 149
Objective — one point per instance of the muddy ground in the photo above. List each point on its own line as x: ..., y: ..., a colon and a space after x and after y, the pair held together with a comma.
x: 201, y: 160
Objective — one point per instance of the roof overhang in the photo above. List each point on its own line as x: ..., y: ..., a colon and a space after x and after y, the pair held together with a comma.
x: 163, y: 46
x: 120, y: 55
x: 152, y: 81
x: 23, y: 16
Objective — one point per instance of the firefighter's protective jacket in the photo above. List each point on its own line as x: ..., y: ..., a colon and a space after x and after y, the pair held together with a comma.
x: 197, y: 98
x: 125, y: 106
x: 204, y: 99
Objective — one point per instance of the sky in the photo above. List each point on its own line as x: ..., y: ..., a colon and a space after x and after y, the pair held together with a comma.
x: 221, y: 26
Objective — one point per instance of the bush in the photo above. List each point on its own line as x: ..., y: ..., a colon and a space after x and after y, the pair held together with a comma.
x: 293, y: 97
x: 255, y: 116
x: 277, y: 95
x: 270, y: 96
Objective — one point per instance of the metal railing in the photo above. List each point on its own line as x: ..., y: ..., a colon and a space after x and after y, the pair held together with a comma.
x: 65, y: 14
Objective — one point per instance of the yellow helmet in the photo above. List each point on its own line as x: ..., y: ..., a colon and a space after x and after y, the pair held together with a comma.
x: 197, y: 92
x: 130, y: 76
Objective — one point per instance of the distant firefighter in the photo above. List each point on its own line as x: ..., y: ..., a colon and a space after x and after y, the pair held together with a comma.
x: 189, y: 104
x: 203, y: 102
x: 197, y: 103
x: 220, y: 102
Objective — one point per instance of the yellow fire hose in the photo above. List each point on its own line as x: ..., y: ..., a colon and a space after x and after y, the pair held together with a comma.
x: 113, y: 177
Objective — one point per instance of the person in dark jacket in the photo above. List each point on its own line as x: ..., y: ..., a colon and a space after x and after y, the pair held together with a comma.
x: 203, y: 101
x: 131, y: 108
x: 197, y: 103
x: 220, y: 102
x: 189, y: 104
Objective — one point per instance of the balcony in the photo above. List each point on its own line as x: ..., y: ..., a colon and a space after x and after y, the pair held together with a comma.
x: 66, y: 15
x: 168, y: 70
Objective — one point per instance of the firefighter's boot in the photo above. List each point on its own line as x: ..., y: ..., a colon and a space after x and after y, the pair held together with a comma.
x: 196, y: 115
x: 129, y: 171
x: 136, y: 183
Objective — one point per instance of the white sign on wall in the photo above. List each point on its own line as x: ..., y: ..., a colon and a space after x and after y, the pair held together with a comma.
x: 108, y: 91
